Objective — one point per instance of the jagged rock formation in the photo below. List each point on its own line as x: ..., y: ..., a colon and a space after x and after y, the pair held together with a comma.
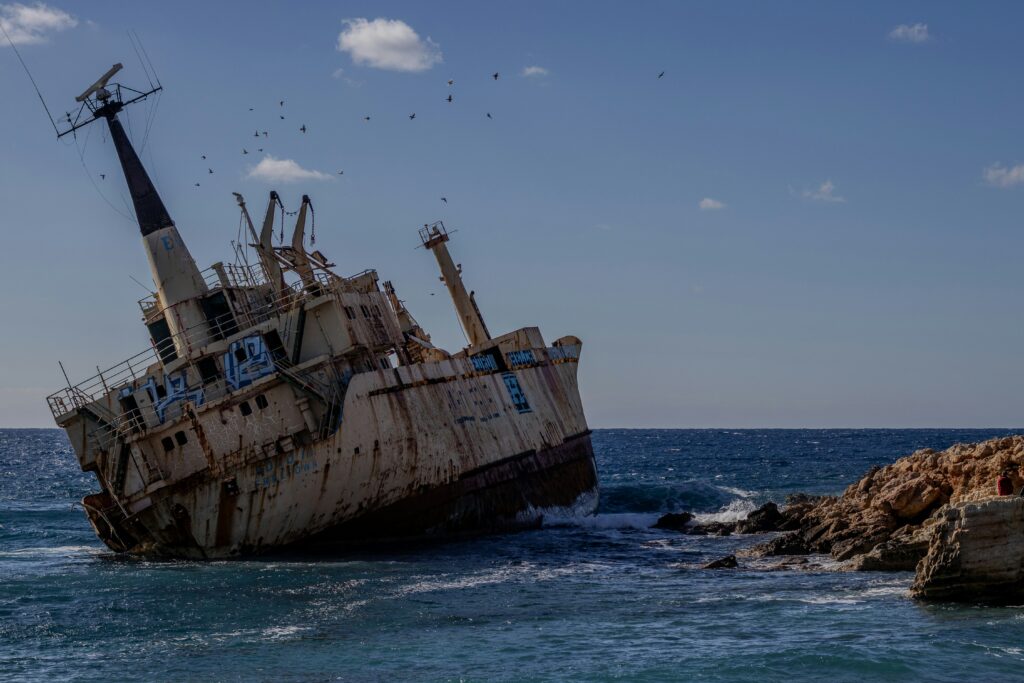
x: 976, y: 553
x: 882, y: 522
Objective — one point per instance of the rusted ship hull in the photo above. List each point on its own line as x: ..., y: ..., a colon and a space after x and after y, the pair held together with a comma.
x: 433, y: 451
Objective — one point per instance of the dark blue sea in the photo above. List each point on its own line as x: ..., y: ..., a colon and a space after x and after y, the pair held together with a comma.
x: 601, y: 598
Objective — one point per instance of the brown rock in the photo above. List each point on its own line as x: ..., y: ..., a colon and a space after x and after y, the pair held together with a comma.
x: 727, y: 562
x: 976, y: 553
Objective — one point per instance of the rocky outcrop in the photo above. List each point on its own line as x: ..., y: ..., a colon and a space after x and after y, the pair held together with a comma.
x: 882, y: 521
x: 727, y: 562
x: 976, y: 553
x: 673, y: 521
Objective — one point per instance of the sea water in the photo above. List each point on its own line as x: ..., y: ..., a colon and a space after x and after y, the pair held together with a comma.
x: 591, y: 599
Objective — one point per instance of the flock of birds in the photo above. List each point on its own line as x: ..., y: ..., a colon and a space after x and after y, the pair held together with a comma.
x: 263, y: 134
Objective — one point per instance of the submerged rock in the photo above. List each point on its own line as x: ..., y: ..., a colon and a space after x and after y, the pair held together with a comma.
x: 727, y: 562
x: 674, y: 521
x: 976, y: 553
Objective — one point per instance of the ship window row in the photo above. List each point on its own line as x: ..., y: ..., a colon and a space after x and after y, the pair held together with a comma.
x: 350, y: 312
x: 261, y: 402
x: 168, y: 443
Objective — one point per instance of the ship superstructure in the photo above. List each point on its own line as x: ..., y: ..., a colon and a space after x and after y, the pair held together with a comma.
x: 283, y: 404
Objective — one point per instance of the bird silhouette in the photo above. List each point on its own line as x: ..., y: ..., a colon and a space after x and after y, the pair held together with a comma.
x: 451, y: 82
x: 444, y: 199
x: 303, y: 128
x: 103, y: 176
x: 281, y: 103
x: 412, y: 116
x: 489, y: 115
x: 197, y: 184
x: 495, y: 76
x: 264, y: 133
x: 661, y: 74
x: 260, y: 149
x: 341, y: 173
x: 449, y: 98
x: 366, y: 118
x: 282, y: 117
x: 256, y: 134
x: 210, y: 170
x: 250, y: 108
x: 245, y: 151
x: 203, y: 156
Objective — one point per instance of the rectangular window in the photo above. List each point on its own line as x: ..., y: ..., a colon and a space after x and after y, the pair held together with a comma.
x: 167, y: 443
x: 350, y: 312
x: 160, y: 333
x: 219, y: 315
x: 180, y: 438
x: 208, y: 370
x: 245, y: 408
x: 261, y: 402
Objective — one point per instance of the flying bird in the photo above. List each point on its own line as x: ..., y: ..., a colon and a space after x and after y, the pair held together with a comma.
x: 197, y: 184
x: 282, y: 117
x: 260, y: 149
x: 103, y: 176
x: 366, y: 118
x: 495, y: 76
x: 451, y: 81
x: 210, y: 170
x: 250, y: 108
x: 203, y: 156
x: 256, y: 134
x: 449, y: 98
x: 489, y: 115
x: 341, y: 173
x: 661, y: 74
x: 303, y: 128
x: 264, y: 133
x: 281, y: 103
x: 444, y: 199
x: 412, y: 116
x: 245, y: 151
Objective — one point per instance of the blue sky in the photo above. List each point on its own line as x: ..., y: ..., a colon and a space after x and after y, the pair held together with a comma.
x: 863, y: 268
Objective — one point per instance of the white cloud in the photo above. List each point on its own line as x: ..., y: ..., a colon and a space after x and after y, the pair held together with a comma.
x: 535, y: 72
x: 824, y: 193
x: 274, y: 170
x: 910, y: 33
x: 29, y: 24
x: 387, y: 44
x: 709, y: 204
x: 998, y: 175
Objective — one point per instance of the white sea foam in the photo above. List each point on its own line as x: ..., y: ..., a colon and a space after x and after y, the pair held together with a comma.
x: 56, y: 550
x: 734, y: 511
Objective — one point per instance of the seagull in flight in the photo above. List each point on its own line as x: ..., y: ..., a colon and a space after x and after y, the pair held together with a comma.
x: 303, y: 128
x: 202, y: 156
x: 103, y: 176
x: 451, y: 82
x: 256, y: 134
x: 281, y: 103
x: 282, y: 117
x: 495, y: 75
x: 661, y: 74
x: 444, y: 199
x: 264, y: 133
x: 260, y: 149
x: 341, y: 173
x: 197, y: 184
x: 210, y: 170
x: 366, y: 118
x: 449, y: 98
x: 489, y: 115
x: 250, y: 109
x: 245, y: 151
x: 412, y: 116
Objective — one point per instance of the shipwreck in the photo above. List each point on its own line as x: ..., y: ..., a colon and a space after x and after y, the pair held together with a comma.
x: 282, y: 405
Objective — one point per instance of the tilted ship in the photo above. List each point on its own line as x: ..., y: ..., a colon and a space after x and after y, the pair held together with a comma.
x: 283, y: 405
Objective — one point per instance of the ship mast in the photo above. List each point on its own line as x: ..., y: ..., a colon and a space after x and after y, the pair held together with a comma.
x: 434, y: 238
x: 179, y: 285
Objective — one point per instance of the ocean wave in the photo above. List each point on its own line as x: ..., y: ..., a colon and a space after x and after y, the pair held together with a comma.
x: 733, y: 511
x: 694, y: 495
